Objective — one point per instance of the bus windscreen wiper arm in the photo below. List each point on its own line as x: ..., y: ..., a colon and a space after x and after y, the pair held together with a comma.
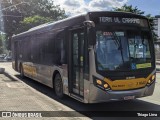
x: 118, y: 41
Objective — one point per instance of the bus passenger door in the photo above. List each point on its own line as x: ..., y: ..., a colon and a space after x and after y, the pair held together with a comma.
x: 77, y: 62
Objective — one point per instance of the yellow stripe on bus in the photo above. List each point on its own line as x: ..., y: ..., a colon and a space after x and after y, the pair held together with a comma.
x: 127, y: 84
x: 30, y: 70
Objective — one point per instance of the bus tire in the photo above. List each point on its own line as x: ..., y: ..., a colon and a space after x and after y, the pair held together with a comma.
x: 58, y: 86
x: 21, y: 71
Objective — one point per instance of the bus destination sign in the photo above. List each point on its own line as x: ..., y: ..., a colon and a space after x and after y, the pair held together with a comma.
x: 119, y: 20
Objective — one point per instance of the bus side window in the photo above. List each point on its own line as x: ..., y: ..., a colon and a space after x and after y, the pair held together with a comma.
x: 35, y: 50
x: 63, y: 51
x: 26, y: 47
x: 47, y: 49
x: 24, y: 50
x: 60, y: 48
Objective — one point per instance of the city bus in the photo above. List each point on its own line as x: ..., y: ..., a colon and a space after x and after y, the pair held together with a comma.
x: 92, y: 57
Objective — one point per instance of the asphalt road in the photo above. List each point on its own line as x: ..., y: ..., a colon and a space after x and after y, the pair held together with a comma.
x: 151, y: 103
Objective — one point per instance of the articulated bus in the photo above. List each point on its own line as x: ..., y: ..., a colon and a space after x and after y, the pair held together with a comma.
x: 92, y: 57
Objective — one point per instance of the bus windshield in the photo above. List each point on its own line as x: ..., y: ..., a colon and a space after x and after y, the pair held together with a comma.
x: 122, y: 50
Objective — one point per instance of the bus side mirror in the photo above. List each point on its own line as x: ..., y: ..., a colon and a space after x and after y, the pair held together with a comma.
x: 92, y: 36
x: 90, y: 31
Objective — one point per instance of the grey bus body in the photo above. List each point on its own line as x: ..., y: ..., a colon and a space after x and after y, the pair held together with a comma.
x: 70, y: 48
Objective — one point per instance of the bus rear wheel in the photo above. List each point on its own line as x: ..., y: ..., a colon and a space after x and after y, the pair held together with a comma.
x: 58, y: 86
x: 21, y: 72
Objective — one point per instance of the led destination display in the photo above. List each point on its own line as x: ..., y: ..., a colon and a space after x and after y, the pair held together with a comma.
x: 121, y: 20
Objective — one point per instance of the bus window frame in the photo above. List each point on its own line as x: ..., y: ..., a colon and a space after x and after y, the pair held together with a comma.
x: 125, y: 28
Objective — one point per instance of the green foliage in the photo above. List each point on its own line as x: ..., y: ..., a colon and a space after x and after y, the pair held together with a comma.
x: 16, y: 13
x: 2, y: 40
x: 1, y: 46
x: 30, y: 22
x: 129, y: 8
x: 151, y: 20
x: 135, y: 10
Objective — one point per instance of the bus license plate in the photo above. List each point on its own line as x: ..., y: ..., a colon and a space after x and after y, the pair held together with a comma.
x: 129, y: 97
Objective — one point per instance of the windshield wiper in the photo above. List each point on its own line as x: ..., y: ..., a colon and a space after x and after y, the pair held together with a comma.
x: 118, y: 41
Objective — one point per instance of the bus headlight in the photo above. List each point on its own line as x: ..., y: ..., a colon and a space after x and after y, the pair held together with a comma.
x: 153, y: 77
x: 102, y: 84
x: 150, y: 81
x: 99, y: 82
x: 105, y: 86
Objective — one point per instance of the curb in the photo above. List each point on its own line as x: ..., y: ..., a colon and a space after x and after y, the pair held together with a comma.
x: 10, y: 76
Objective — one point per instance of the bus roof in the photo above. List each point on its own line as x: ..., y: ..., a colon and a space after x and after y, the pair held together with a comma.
x: 71, y: 21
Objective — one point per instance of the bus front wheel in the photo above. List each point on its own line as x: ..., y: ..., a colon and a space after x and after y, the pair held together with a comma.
x: 58, y: 86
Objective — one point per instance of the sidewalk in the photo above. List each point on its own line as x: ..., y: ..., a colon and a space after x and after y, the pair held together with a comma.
x: 17, y: 96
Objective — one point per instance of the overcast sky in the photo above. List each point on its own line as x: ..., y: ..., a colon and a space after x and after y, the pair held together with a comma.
x: 73, y: 7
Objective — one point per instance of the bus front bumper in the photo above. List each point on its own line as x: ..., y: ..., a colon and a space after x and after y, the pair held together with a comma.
x: 97, y: 95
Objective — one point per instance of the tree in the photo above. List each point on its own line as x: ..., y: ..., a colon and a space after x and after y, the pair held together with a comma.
x: 129, y: 8
x: 135, y: 10
x: 2, y: 42
x: 1, y: 46
x: 151, y: 20
x: 30, y: 22
x: 14, y: 13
